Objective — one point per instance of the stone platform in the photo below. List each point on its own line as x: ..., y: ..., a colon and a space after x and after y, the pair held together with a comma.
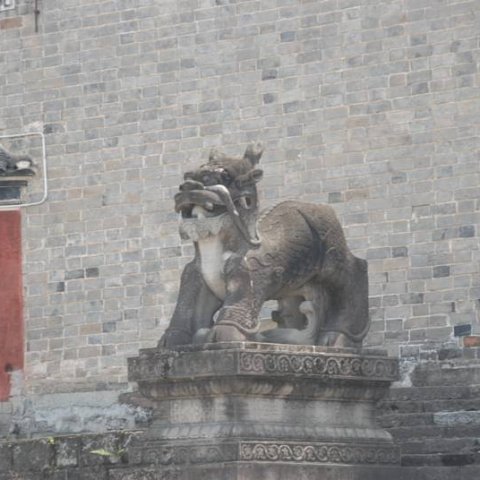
x: 251, y: 410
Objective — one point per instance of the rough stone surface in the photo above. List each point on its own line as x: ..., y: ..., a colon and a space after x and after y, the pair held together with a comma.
x: 76, y: 457
x: 69, y: 413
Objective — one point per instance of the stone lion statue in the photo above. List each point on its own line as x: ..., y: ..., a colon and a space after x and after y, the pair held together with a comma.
x: 294, y: 253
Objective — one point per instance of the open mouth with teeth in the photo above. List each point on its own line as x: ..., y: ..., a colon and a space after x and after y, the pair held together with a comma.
x: 212, y: 202
x: 196, y: 211
x: 199, y: 204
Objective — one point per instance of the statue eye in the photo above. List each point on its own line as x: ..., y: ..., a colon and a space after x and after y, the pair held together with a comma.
x: 226, y: 178
x: 246, y: 202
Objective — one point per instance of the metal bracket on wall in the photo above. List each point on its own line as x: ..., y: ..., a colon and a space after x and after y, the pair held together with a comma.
x: 44, y: 171
x: 7, y: 5
x: 37, y: 14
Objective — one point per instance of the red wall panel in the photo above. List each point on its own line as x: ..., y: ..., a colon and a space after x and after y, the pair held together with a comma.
x: 11, y: 298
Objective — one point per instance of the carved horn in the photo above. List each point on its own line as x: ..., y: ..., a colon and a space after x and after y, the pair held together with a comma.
x: 253, y: 153
x: 215, y: 155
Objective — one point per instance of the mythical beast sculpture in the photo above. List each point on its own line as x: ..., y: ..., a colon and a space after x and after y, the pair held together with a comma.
x: 294, y: 253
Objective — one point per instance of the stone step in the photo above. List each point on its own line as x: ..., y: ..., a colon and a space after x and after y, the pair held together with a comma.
x: 445, y: 418
x: 406, y: 420
x: 461, y: 461
x: 445, y: 374
x: 436, y: 393
x: 442, y: 418
x: 406, y: 433
x: 425, y: 472
x: 439, y: 445
x: 436, y: 421
x: 392, y: 406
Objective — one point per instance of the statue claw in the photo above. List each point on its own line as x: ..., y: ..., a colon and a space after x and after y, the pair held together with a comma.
x: 173, y: 337
x: 227, y: 333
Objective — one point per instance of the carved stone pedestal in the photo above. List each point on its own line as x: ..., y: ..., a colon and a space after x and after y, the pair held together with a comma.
x: 256, y: 411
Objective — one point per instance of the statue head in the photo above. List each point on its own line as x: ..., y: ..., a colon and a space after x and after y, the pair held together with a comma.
x: 225, y: 187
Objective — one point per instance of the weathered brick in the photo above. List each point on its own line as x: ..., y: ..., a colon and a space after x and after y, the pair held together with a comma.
x: 13, y: 22
x: 471, y: 341
x: 441, y: 271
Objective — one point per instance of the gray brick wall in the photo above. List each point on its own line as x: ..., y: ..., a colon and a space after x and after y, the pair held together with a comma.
x: 369, y: 105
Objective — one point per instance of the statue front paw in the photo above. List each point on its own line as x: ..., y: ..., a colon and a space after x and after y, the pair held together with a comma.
x: 203, y: 335
x: 238, y: 317
x: 173, y: 337
x: 227, y: 333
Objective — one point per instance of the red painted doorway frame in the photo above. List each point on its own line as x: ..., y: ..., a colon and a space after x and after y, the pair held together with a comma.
x: 11, y: 299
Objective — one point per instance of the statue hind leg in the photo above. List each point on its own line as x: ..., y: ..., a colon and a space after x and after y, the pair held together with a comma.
x: 347, y: 318
x: 299, y: 318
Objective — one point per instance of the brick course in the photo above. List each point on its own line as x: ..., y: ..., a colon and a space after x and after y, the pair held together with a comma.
x: 371, y: 106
